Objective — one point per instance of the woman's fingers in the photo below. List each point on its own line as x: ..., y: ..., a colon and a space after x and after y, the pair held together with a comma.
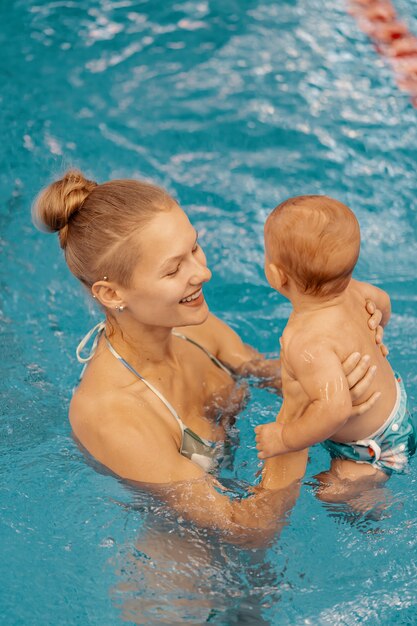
x: 350, y: 363
x: 355, y: 367
x: 362, y: 386
x: 379, y: 335
x: 370, y: 306
x: 374, y: 324
x: 376, y: 315
x: 379, y: 338
x: 365, y: 406
x: 384, y: 350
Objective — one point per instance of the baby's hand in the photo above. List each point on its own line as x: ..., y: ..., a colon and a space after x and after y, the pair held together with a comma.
x: 269, y: 440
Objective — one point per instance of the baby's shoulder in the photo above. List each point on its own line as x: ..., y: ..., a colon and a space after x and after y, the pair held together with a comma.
x: 314, y: 335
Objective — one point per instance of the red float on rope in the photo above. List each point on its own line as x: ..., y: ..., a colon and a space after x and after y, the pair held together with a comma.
x: 392, y: 39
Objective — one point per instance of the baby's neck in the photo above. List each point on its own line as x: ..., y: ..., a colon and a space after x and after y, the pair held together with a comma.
x: 306, y: 304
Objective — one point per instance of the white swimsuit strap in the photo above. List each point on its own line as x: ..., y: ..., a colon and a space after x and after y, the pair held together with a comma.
x: 98, y: 328
x: 147, y: 383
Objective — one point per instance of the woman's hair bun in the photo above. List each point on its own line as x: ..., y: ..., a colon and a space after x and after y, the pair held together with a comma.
x: 57, y: 203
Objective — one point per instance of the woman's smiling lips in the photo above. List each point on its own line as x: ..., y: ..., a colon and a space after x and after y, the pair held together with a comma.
x: 194, y: 299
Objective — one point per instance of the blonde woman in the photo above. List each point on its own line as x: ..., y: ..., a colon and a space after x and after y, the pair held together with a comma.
x: 162, y: 368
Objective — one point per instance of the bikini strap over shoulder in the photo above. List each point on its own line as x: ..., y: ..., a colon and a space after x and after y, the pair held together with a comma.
x: 98, y: 328
x: 146, y: 382
x: 211, y: 356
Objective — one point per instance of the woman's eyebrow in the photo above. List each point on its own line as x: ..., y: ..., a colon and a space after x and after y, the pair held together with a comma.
x: 178, y: 257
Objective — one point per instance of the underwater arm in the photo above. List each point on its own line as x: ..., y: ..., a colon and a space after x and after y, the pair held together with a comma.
x: 148, y: 458
x: 250, y: 521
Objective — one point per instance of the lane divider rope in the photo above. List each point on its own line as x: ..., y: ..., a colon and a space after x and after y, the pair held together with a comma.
x: 392, y: 39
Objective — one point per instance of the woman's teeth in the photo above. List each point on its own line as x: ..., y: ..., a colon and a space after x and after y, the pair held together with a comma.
x: 194, y: 296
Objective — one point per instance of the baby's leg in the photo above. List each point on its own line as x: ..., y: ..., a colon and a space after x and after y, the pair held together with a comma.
x: 346, y: 480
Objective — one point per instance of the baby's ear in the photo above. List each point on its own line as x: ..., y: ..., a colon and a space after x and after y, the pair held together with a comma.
x: 276, y: 276
x: 283, y: 276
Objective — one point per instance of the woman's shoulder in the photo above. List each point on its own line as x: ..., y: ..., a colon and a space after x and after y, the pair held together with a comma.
x: 105, y: 406
x: 213, y: 334
x: 222, y: 341
x: 117, y: 429
x: 93, y: 412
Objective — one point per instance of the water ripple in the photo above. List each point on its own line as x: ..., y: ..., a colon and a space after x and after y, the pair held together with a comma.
x: 232, y: 107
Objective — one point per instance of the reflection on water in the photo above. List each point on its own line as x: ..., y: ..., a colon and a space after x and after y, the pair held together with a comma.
x: 232, y: 107
x: 174, y: 575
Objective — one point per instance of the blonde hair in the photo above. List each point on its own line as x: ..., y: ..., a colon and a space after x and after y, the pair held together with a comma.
x: 96, y: 223
x: 316, y: 241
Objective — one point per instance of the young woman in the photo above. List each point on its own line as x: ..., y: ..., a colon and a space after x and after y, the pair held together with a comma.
x: 161, y: 380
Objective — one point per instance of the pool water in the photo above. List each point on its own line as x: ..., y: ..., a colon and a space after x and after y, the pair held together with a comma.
x: 232, y: 106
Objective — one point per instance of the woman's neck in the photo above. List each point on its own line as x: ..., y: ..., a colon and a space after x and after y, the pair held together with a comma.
x: 139, y: 343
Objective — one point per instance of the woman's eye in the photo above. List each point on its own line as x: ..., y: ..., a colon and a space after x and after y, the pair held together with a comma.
x: 196, y: 247
x: 174, y: 272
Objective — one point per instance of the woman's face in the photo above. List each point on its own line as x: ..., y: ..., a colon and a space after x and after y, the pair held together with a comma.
x: 166, y: 286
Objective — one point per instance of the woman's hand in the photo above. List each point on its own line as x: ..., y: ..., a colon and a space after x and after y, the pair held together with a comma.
x: 360, y: 376
x: 357, y: 369
x: 374, y: 323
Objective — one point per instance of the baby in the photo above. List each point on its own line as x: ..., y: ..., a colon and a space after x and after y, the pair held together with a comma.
x: 311, y: 248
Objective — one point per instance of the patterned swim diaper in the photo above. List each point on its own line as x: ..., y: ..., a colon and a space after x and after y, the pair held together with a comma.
x: 390, y: 447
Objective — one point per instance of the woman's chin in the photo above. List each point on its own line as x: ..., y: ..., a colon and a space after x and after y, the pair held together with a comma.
x: 194, y: 315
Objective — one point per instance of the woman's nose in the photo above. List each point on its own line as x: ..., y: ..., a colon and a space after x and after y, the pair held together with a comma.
x: 201, y: 273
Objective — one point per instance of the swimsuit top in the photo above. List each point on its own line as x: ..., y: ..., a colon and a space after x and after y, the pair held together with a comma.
x: 201, y: 451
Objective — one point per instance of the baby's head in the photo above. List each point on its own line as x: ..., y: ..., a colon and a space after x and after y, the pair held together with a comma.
x: 314, y: 241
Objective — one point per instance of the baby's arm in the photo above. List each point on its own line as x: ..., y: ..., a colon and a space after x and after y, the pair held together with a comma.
x: 319, y: 371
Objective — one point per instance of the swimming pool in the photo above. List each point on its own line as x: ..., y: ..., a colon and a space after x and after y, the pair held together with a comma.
x: 231, y: 106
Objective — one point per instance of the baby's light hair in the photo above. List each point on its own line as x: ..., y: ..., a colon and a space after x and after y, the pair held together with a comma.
x: 316, y: 241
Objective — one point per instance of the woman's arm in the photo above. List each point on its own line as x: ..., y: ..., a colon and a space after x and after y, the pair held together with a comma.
x: 222, y: 341
x: 228, y: 347
x: 136, y: 449
x: 251, y: 521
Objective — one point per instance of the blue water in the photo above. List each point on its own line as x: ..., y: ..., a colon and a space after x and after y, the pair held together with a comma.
x: 232, y: 106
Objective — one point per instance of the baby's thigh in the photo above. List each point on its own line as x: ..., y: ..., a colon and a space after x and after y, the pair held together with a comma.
x: 346, y: 470
x: 346, y: 480
x: 359, y: 485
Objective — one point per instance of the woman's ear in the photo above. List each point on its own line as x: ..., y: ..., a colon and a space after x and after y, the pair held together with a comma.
x: 107, y: 294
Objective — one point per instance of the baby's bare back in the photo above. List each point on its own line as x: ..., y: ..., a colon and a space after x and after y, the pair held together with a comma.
x: 345, y: 328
